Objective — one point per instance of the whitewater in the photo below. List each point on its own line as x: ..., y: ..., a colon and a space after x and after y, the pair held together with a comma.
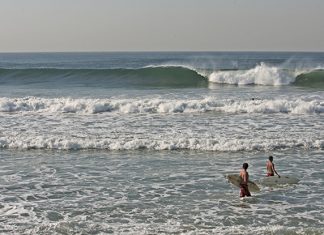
x: 139, y: 143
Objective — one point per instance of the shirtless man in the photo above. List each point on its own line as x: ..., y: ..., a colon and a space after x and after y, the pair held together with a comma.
x: 271, y: 168
x: 244, y: 183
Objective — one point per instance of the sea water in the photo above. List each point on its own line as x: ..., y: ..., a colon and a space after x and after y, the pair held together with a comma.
x: 140, y: 143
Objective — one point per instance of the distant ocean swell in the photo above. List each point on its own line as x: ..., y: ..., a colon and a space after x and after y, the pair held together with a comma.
x: 165, y: 76
x: 306, y: 105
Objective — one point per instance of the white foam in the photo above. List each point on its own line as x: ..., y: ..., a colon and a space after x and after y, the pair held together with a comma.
x: 223, y: 144
x: 158, y: 105
x: 208, y: 123
x: 260, y: 75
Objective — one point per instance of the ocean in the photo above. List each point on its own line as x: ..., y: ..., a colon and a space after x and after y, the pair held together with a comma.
x: 141, y: 142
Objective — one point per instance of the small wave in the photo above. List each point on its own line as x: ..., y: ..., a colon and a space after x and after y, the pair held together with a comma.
x: 157, y: 105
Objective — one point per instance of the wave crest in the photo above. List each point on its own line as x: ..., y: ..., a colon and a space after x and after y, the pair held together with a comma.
x: 260, y: 75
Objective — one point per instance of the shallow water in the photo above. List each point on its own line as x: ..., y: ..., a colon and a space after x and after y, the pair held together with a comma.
x: 145, y: 192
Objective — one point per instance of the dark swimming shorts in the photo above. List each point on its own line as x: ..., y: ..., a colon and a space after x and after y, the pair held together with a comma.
x: 244, y: 191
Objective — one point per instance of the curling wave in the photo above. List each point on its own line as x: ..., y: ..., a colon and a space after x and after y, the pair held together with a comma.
x: 157, y: 76
x: 313, y: 79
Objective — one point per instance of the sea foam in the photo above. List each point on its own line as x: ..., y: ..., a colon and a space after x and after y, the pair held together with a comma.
x: 159, y: 105
x: 260, y: 75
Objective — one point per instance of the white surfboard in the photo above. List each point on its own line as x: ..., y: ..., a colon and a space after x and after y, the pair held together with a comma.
x: 275, y: 180
x: 235, y: 179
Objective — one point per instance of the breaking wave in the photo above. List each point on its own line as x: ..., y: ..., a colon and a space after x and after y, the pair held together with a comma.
x: 269, y: 75
x: 157, y: 105
x: 172, y: 76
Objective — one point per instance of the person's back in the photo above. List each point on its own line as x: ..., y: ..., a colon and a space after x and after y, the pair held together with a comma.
x: 245, y: 176
x: 270, y: 171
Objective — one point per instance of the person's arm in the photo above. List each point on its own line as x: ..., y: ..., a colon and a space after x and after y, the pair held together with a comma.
x: 245, y: 178
x: 274, y: 170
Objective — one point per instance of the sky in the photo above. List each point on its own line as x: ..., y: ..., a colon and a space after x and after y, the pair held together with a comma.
x: 161, y: 25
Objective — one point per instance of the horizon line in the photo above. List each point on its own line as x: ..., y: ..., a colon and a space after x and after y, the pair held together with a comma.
x: 168, y: 51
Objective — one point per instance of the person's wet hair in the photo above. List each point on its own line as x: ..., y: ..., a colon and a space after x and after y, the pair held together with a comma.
x: 270, y: 158
x: 245, y: 166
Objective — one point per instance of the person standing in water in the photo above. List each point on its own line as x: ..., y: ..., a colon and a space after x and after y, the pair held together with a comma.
x: 271, y: 168
x: 244, y: 189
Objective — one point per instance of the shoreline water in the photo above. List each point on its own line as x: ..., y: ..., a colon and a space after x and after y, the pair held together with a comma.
x: 155, y: 192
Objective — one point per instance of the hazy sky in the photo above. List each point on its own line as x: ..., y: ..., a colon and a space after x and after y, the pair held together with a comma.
x: 161, y: 25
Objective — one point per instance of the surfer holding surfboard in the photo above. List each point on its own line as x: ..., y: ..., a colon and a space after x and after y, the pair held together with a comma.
x: 271, y: 168
x: 276, y: 181
x: 244, y: 182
